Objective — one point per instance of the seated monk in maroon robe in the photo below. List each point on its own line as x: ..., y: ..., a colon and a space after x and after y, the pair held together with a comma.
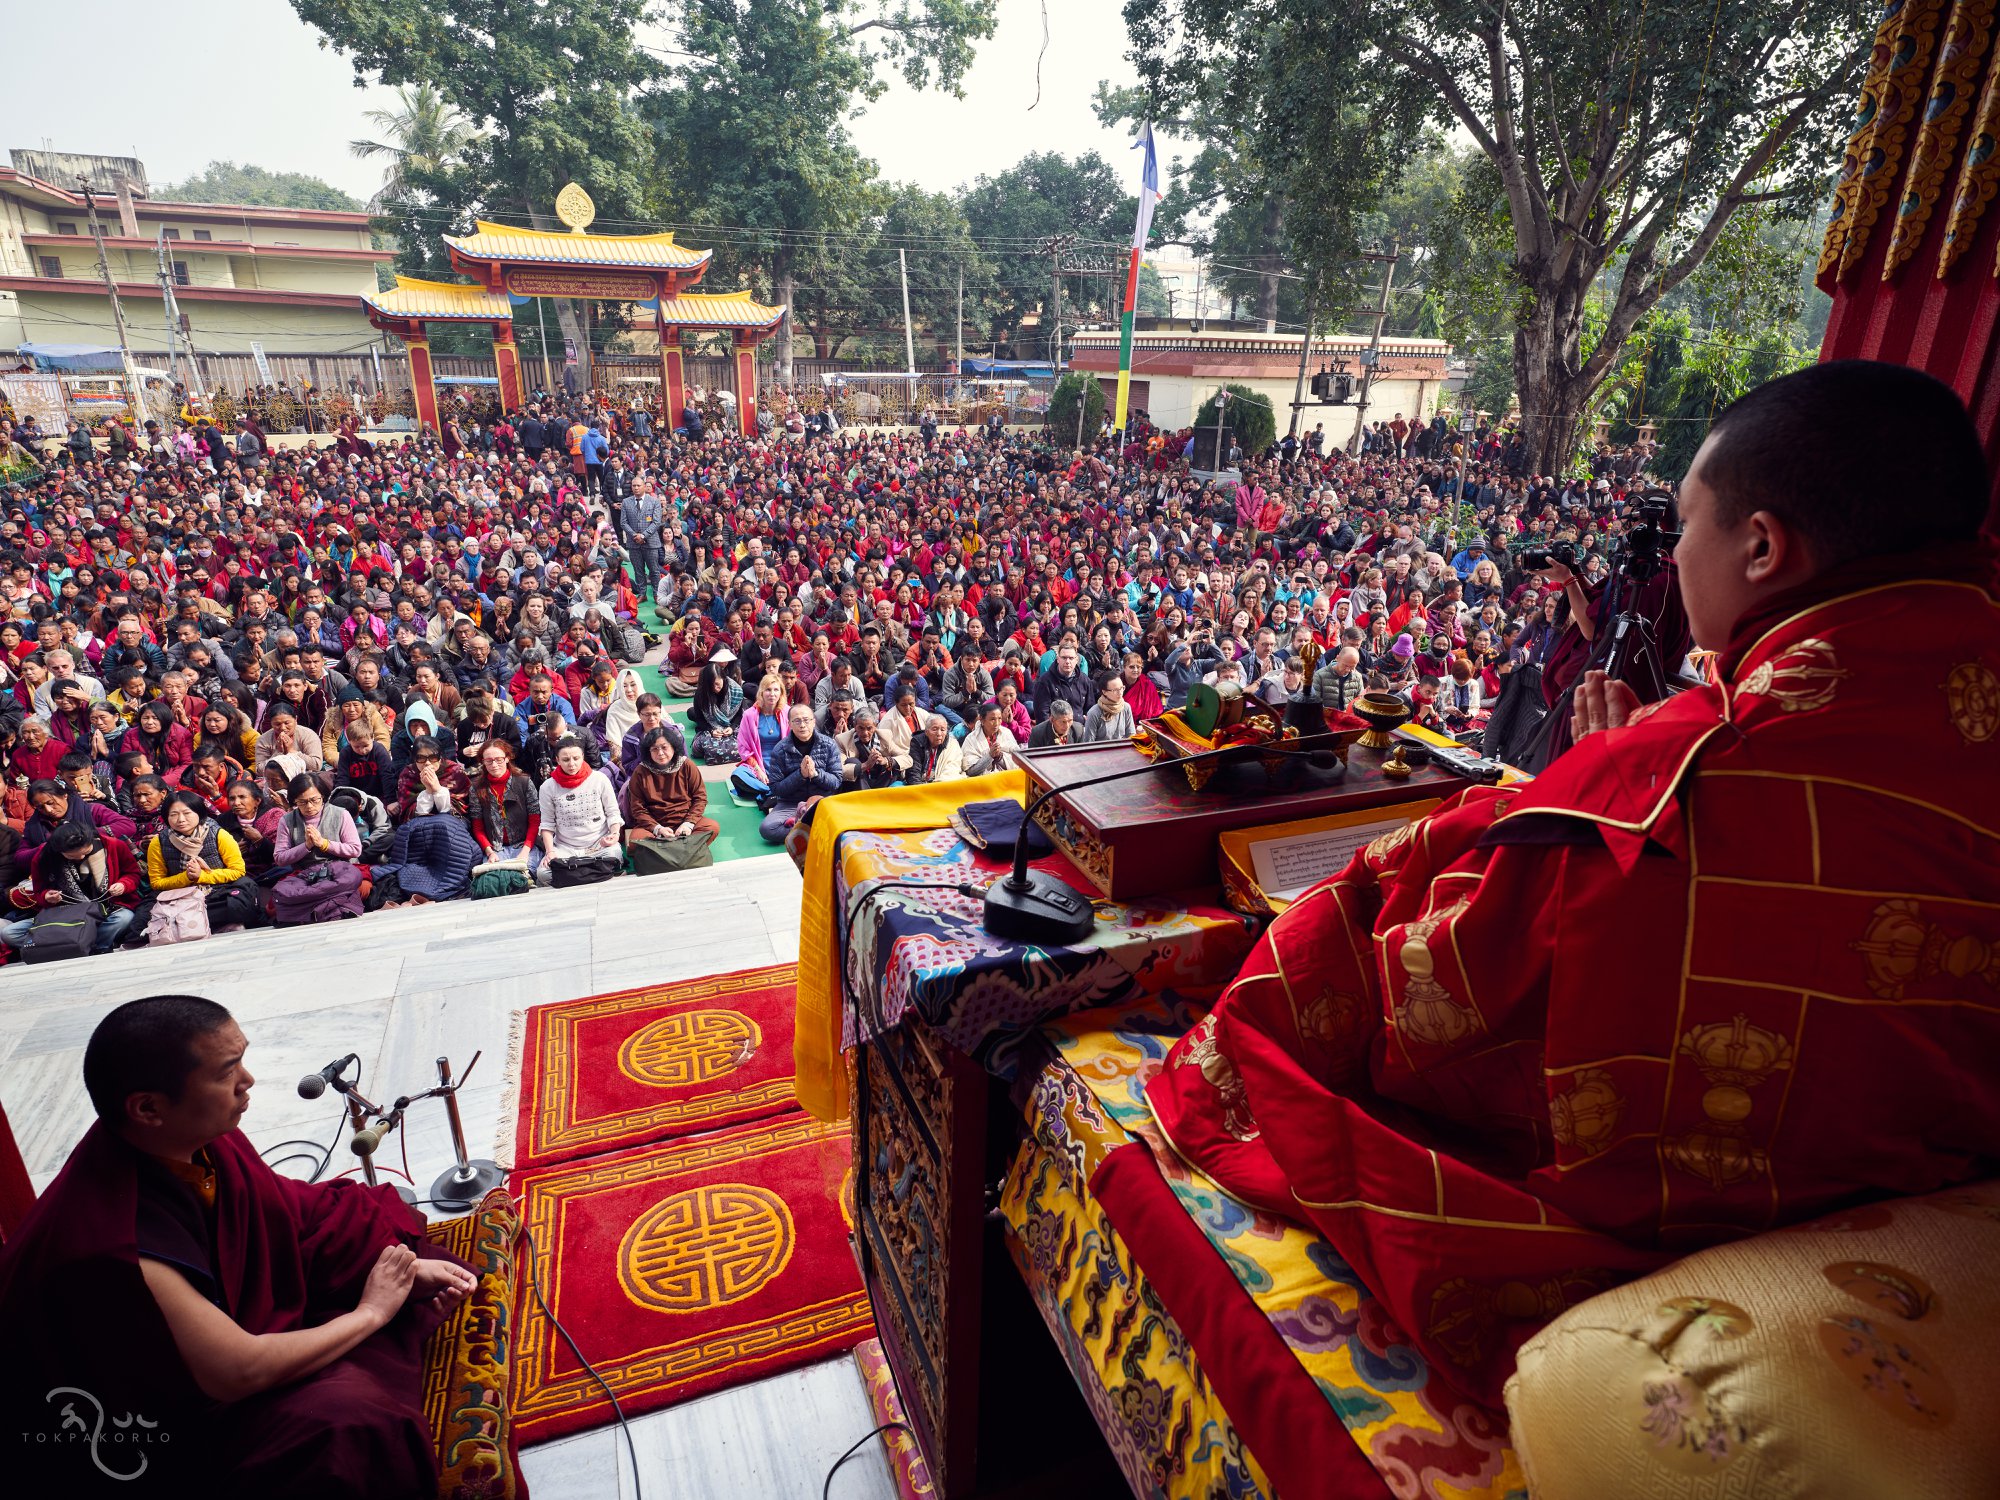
x: 1731, y: 963
x: 262, y: 1334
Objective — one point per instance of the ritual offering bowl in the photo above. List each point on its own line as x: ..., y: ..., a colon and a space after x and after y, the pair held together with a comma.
x: 1384, y: 714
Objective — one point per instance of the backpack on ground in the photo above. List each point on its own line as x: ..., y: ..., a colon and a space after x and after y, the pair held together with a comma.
x: 59, y: 932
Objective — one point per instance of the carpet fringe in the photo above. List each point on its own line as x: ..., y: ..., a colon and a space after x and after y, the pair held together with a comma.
x: 510, y: 1095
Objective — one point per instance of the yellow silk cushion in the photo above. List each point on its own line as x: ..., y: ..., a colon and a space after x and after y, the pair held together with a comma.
x: 1853, y: 1356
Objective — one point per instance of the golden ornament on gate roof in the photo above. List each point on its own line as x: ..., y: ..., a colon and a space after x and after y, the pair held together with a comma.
x: 574, y: 208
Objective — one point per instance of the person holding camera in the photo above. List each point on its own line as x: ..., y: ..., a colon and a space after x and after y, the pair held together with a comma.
x: 1673, y: 991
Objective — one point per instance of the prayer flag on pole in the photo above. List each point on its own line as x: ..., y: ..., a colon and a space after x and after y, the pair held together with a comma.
x: 1149, y: 194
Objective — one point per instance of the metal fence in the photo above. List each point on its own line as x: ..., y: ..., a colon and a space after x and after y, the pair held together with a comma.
x: 314, y: 393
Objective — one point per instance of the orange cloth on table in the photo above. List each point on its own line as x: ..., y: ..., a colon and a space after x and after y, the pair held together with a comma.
x: 816, y: 1051
x: 1716, y: 972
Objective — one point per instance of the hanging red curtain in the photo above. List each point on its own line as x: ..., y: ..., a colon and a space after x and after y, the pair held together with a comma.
x: 1912, y: 254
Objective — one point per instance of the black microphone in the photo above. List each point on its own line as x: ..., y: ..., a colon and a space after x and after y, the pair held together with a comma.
x: 1033, y: 906
x: 314, y: 1084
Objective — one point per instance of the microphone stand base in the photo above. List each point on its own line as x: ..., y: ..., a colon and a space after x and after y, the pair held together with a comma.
x: 460, y: 1187
x: 1047, y: 911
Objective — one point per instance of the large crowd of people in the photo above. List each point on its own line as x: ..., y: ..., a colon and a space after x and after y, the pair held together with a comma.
x: 252, y: 683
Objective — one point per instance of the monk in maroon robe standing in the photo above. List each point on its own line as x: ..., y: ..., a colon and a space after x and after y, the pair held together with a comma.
x: 173, y: 1303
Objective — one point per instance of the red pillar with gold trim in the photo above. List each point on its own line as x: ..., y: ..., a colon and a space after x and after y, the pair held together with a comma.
x: 744, y: 368
x: 423, y: 387
x: 507, y: 364
x: 673, y: 371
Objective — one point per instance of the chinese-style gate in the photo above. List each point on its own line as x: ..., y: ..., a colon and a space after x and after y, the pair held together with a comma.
x: 509, y: 265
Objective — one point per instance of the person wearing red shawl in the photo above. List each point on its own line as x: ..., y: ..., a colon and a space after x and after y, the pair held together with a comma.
x: 267, y: 1330
x: 1720, y: 969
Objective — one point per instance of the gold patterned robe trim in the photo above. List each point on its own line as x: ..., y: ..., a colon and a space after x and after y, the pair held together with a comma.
x: 1799, y: 678
x: 1968, y: 34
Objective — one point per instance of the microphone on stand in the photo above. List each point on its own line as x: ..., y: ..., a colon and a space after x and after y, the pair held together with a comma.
x: 365, y: 1141
x: 314, y: 1084
x: 1033, y: 906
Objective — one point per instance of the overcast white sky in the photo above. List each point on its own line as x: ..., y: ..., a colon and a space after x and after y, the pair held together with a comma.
x: 246, y: 80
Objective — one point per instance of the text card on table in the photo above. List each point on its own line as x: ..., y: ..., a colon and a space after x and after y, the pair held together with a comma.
x: 1287, y: 866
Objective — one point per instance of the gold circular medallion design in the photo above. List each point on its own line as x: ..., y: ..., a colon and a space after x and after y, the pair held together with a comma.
x: 689, y: 1047
x: 705, y: 1247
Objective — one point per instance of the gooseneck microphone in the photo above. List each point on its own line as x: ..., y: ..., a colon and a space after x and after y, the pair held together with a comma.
x: 314, y: 1084
x: 1033, y: 906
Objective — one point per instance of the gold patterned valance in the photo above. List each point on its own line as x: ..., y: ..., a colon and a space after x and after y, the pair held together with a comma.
x: 1961, y: 60
x: 1891, y: 91
x: 1978, y: 177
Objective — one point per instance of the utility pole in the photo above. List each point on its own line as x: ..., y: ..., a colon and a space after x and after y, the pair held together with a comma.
x: 132, y: 386
x: 958, y: 359
x: 909, y: 334
x: 177, y: 326
x: 1056, y: 246
x: 1374, y: 345
x: 1305, y: 357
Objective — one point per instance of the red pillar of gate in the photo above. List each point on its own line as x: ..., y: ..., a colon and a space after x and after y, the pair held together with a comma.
x: 507, y: 364
x: 744, y: 367
x: 423, y: 385
x: 673, y: 371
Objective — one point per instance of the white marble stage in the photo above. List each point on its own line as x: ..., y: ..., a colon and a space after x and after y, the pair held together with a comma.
x: 402, y: 988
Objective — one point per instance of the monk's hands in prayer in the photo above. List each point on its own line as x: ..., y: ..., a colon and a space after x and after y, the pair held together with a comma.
x: 443, y: 1283
x: 389, y: 1283
x: 1600, y: 702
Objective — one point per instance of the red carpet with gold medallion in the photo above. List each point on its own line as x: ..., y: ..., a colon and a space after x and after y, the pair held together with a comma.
x: 626, y: 1069
x: 682, y: 1258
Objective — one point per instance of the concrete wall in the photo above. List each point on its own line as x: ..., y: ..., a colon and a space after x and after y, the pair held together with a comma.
x: 1173, y: 399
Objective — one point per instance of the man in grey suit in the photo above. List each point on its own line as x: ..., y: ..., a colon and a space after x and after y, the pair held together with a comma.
x: 641, y: 515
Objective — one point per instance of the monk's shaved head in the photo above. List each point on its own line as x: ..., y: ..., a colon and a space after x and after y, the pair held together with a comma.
x: 146, y: 1047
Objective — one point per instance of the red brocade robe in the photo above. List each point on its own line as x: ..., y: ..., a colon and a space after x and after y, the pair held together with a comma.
x: 1723, y: 969
x: 77, y: 1314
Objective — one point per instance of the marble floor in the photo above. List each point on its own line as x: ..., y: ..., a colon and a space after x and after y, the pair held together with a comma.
x: 402, y: 988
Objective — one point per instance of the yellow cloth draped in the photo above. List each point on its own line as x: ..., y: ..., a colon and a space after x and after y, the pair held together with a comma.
x: 821, y: 1087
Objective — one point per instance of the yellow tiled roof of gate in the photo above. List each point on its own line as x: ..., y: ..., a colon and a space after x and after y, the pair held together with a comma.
x: 651, y: 252
x: 412, y: 298
x: 719, y: 310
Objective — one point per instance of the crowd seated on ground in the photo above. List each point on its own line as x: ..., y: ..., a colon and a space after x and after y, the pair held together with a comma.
x: 318, y: 682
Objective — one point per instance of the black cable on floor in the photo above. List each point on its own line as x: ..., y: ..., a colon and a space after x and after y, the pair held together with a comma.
x: 827, y: 1489
x: 535, y: 1286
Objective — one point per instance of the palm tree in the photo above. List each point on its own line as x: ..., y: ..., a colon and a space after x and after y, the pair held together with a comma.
x: 423, y: 132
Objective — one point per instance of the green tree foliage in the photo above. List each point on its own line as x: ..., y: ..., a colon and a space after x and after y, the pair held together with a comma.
x: 1046, y: 193
x: 1629, y: 131
x: 1062, y: 413
x: 1299, y: 142
x: 420, y: 138
x: 1248, y: 414
x: 547, y: 88
x: 752, y: 133
x: 1679, y: 376
x: 226, y: 182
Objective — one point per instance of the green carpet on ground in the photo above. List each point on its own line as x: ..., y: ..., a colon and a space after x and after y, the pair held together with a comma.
x: 738, y: 839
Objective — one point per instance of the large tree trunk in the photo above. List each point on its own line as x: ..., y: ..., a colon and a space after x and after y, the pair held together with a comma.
x: 1272, y: 261
x: 567, y: 317
x: 1548, y: 367
x: 785, y: 282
